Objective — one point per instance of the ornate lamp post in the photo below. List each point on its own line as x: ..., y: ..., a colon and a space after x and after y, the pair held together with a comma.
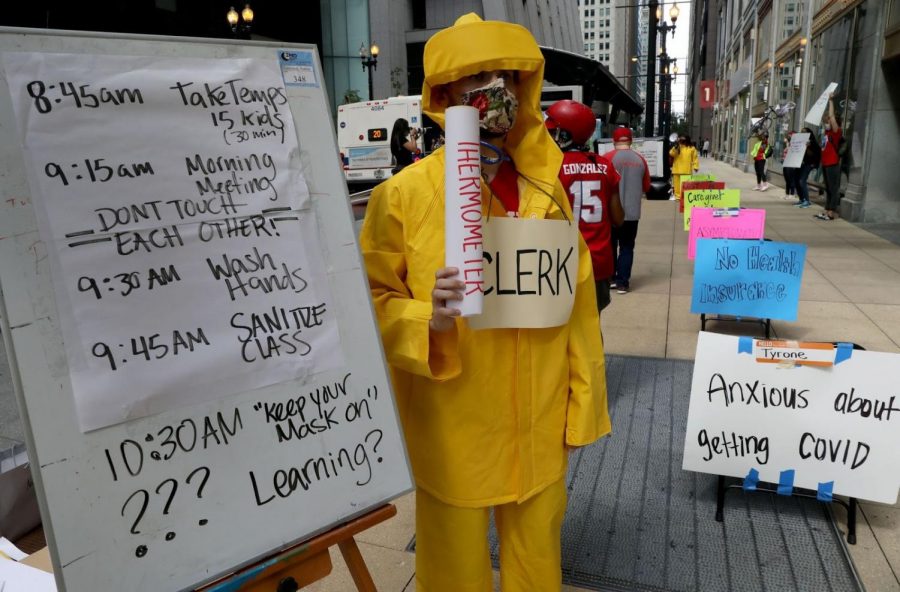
x: 369, y: 59
x: 655, y: 16
x: 240, y: 23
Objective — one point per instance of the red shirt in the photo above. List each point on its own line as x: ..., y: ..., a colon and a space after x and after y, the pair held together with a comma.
x: 761, y: 153
x: 505, y: 186
x: 829, y: 148
x: 592, y: 179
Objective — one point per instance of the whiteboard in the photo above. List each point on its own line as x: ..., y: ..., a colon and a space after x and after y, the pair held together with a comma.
x: 183, y: 491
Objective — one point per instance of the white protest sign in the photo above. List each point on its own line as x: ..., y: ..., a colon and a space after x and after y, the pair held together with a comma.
x: 462, y: 205
x: 814, y: 116
x: 832, y: 429
x: 531, y: 270
x: 796, y: 150
x: 650, y: 148
x: 209, y: 206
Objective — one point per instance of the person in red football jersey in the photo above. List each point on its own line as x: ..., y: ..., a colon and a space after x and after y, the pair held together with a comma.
x: 592, y: 183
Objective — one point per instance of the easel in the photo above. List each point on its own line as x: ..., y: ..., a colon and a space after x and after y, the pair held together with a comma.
x: 850, y: 505
x: 766, y: 323
x: 305, y: 563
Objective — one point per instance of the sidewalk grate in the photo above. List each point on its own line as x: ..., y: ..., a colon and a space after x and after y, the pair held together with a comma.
x: 636, y: 522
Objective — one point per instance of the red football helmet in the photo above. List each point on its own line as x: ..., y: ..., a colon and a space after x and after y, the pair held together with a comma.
x: 573, y: 117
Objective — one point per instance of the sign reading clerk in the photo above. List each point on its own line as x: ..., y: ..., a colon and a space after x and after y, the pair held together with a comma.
x: 186, y: 264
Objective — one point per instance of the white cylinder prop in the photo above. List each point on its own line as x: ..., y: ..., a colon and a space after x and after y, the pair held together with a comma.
x: 462, y: 205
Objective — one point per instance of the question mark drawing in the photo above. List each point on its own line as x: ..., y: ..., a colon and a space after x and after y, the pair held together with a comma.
x: 377, y: 442
x: 203, y: 521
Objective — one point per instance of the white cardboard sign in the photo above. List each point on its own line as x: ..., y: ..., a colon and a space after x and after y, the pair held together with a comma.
x: 209, y: 206
x: 836, y: 427
x: 818, y: 109
x: 796, y: 150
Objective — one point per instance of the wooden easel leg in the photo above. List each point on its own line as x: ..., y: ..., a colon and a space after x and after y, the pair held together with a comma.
x: 356, y: 565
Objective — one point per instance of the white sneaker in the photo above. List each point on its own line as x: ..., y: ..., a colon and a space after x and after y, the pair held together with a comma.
x: 765, y: 187
x: 757, y: 188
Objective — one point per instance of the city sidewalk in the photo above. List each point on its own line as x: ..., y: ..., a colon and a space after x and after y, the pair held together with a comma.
x: 850, y: 292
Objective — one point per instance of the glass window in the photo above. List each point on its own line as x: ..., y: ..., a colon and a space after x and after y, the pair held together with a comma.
x: 841, y: 54
x: 791, y: 18
x: 764, y: 39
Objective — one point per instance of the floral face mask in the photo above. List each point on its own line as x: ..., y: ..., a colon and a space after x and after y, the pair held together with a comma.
x: 496, y: 106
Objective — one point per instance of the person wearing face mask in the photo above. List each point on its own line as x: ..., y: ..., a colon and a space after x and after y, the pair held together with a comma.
x: 489, y: 415
x: 812, y: 157
x: 592, y: 184
x: 831, y: 163
x: 684, y: 162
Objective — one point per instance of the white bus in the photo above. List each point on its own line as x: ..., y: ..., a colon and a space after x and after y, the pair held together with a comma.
x: 364, y: 136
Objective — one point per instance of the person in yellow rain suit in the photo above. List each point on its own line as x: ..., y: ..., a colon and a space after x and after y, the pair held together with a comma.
x: 684, y: 161
x: 489, y: 416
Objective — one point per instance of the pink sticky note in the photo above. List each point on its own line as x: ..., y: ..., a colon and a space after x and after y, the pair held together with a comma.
x: 725, y: 223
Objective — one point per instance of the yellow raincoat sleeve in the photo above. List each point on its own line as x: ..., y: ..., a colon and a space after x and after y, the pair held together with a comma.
x: 695, y: 160
x: 409, y: 344
x: 587, y: 415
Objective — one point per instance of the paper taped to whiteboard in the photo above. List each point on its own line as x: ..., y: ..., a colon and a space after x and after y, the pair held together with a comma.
x: 140, y: 233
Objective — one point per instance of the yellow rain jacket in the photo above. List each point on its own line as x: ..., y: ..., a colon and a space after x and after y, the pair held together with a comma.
x: 685, y: 160
x: 487, y: 414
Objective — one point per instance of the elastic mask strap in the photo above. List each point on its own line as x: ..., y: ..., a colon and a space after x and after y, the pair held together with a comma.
x: 501, y: 155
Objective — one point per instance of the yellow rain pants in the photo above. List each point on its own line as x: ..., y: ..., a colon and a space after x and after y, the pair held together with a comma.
x: 452, y: 553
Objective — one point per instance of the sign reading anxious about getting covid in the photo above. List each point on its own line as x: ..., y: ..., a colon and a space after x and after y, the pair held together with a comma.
x: 801, y: 415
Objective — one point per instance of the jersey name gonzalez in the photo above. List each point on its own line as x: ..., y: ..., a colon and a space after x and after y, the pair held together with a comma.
x: 584, y: 168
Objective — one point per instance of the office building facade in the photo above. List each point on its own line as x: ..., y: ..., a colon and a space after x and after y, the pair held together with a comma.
x: 774, y: 52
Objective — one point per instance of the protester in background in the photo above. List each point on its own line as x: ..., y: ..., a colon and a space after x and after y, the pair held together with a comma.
x: 403, y: 145
x: 811, y: 160
x: 634, y: 182
x: 592, y: 183
x: 759, y: 153
x: 790, y: 173
x: 489, y: 416
x: 706, y: 148
x: 831, y: 163
x: 684, y: 162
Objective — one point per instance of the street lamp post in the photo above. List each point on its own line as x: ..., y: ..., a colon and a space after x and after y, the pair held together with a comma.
x: 656, y: 9
x: 651, y: 70
x: 369, y: 59
x: 664, y: 61
x: 240, y: 22
x: 669, y: 71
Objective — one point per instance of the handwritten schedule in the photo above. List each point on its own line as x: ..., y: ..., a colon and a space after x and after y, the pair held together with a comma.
x: 184, y: 249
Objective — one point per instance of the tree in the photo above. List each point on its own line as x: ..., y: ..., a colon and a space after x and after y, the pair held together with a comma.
x: 351, y: 95
x: 680, y: 125
x: 397, y: 84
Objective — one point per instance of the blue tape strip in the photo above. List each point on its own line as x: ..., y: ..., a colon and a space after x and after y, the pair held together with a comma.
x: 786, y: 482
x: 823, y: 494
x: 751, y: 480
x: 745, y: 345
x: 237, y: 583
x: 842, y: 352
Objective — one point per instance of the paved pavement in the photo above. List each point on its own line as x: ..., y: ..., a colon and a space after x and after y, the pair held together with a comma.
x: 850, y: 292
